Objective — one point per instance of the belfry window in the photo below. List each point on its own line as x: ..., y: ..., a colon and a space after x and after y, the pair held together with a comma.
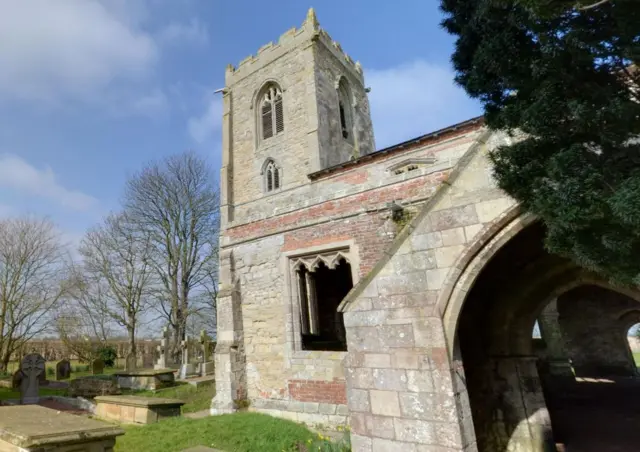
x: 345, y: 110
x: 272, y: 176
x: 321, y: 283
x: 271, y: 112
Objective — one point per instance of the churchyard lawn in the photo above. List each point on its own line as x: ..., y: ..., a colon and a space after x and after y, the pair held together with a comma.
x: 196, y: 399
x: 240, y: 432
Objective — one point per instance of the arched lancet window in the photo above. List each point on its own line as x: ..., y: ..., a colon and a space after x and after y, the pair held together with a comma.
x: 346, y: 113
x: 271, y: 174
x: 271, y: 112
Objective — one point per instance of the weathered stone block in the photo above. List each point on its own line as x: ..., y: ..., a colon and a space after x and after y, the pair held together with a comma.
x: 385, y: 403
x: 358, y: 400
x: 415, y: 431
x: 453, y: 217
x: 380, y: 426
x: 390, y: 379
x: 420, y: 381
x: 385, y: 445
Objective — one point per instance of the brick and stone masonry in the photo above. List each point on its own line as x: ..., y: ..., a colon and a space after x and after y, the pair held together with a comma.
x: 417, y: 223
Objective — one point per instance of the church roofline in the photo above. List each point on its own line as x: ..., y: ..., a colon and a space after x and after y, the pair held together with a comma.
x: 404, y: 146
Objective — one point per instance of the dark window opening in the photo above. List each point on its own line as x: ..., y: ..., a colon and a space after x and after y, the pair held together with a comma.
x: 343, y: 122
x: 320, y: 293
x: 279, y: 115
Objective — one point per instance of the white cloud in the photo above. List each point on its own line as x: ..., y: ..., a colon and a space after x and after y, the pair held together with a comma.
x: 19, y: 175
x: 70, y: 49
x: 202, y: 128
x: 194, y: 32
x: 413, y: 99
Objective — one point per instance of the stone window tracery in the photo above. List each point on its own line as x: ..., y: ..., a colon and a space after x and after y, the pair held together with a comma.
x: 272, y: 176
x: 320, y: 282
x: 271, y: 112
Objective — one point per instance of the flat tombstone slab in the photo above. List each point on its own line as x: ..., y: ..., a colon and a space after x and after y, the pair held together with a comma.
x: 63, y: 370
x: 137, y: 410
x: 27, y: 428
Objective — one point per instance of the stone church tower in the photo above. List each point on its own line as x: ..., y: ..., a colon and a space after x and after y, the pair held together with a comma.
x: 295, y: 108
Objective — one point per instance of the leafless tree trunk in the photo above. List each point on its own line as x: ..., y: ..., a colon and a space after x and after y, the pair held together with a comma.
x: 33, y: 280
x: 117, y: 257
x: 176, y: 205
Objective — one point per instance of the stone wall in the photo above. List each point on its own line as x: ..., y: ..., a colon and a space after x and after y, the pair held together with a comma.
x: 276, y: 371
x: 594, y: 326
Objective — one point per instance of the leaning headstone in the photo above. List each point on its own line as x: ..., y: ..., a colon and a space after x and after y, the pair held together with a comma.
x: 130, y: 362
x: 163, y: 350
x: 63, y: 370
x: 97, y: 367
x: 32, y: 367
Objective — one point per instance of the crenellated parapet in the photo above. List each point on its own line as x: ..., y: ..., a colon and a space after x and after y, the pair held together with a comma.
x: 309, y: 31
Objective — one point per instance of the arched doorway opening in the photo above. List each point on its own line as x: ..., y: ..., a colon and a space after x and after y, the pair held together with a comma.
x: 633, y: 338
x: 515, y: 382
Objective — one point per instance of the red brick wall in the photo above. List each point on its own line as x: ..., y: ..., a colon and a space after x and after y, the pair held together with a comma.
x: 407, y: 190
x: 318, y: 391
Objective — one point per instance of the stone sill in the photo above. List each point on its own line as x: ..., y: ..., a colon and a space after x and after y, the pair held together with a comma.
x: 318, y: 354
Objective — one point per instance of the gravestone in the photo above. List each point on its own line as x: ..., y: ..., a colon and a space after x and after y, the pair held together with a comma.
x: 187, y: 368
x: 32, y: 366
x: 207, y: 366
x: 205, y: 342
x: 130, y: 362
x: 63, y: 370
x: 16, y: 379
x: 97, y: 367
x: 163, y: 350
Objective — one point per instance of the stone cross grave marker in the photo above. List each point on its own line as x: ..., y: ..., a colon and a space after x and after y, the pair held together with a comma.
x: 187, y: 368
x: 63, y: 370
x: 163, y: 349
x: 97, y: 367
x: 205, y: 341
x: 32, y: 366
x: 131, y: 362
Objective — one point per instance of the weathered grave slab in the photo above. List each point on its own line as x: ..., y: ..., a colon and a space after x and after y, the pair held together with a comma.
x: 136, y: 410
x: 150, y: 379
x: 32, y: 428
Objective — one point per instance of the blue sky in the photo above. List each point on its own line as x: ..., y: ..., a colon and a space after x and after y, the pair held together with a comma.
x: 90, y: 90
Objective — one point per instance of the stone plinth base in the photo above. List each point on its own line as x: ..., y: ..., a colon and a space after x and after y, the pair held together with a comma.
x: 136, y: 410
x: 32, y: 428
x: 145, y: 379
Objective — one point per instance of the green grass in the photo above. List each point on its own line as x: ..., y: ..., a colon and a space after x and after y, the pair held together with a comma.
x: 239, y: 432
x: 75, y: 365
x: 6, y: 393
x: 196, y: 399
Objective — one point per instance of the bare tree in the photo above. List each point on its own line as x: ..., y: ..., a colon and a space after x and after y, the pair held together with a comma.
x: 117, y: 264
x: 33, y: 280
x: 83, y: 323
x: 176, y: 205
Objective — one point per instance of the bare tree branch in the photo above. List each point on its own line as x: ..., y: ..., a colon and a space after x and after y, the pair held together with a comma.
x: 175, y: 204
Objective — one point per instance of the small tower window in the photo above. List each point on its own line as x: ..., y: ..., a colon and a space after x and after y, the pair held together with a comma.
x: 271, y: 174
x: 345, y: 108
x: 271, y: 112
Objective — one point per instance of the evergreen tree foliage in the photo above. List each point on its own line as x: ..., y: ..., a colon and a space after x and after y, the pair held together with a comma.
x: 561, y: 76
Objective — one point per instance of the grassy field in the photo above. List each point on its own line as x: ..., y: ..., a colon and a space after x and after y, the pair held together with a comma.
x: 636, y: 356
x: 240, y: 432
